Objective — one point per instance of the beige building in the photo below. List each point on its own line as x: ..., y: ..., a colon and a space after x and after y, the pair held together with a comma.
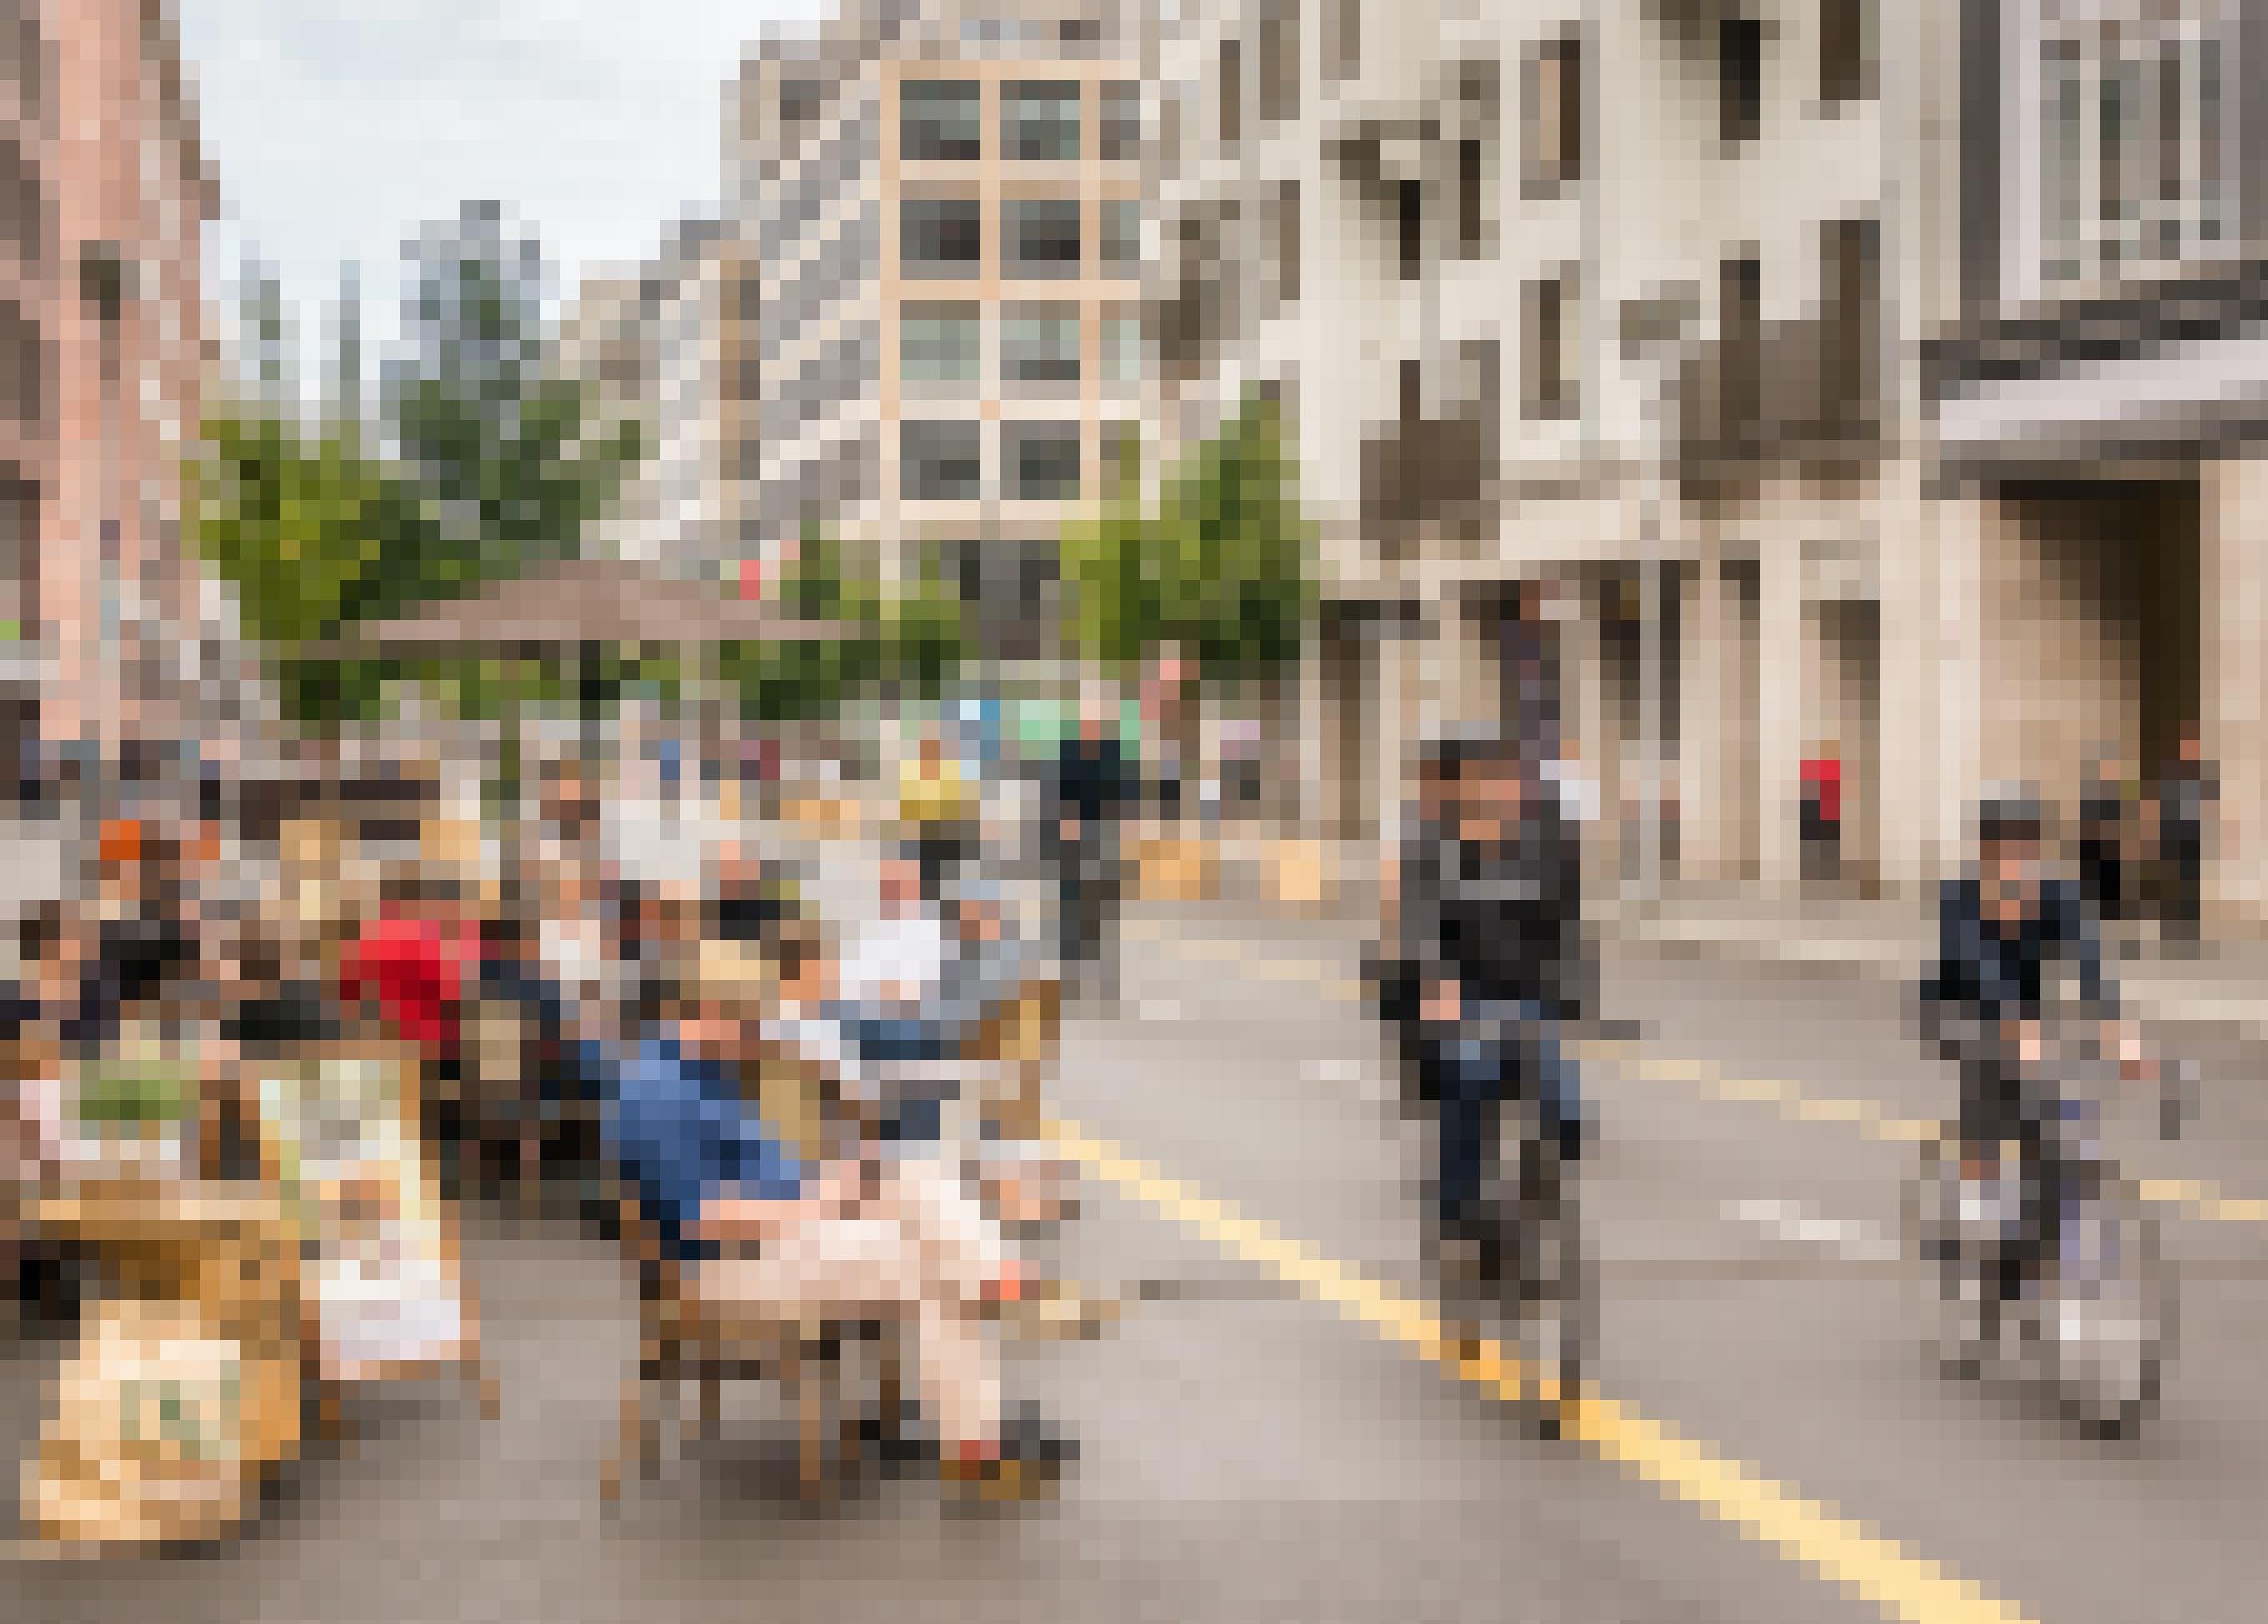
x: 940, y: 217
x: 653, y: 351
x: 103, y: 195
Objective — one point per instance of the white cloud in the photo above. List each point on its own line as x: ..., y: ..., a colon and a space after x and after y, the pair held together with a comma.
x: 340, y: 127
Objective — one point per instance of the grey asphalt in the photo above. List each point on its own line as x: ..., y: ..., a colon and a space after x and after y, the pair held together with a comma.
x: 1250, y: 1455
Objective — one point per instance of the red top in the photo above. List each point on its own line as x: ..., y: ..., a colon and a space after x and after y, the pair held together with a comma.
x: 414, y: 968
x: 1825, y: 777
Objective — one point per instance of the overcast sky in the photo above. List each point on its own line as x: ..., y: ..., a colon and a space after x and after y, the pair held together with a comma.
x: 340, y: 127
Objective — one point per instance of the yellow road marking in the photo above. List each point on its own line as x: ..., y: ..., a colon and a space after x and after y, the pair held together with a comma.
x: 1774, y: 1515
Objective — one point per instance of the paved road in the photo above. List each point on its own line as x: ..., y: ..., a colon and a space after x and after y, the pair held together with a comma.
x: 1256, y: 1450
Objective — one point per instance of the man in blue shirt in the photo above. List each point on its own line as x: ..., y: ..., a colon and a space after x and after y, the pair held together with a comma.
x: 763, y: 1235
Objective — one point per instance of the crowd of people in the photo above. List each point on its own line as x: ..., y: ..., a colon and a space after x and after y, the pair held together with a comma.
x: 809, y: 1118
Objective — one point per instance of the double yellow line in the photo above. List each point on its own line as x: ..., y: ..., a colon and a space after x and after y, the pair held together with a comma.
x: 1840, y: 1550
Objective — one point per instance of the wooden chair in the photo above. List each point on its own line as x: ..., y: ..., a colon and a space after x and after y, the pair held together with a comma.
x: 680, y: 1340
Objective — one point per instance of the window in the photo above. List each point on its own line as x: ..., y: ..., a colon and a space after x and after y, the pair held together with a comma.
x: 1740, y: 79
x: 1548, y: 384
x: 940, y: 461
x: 1038, y: 119
x: 1121, y: 233
x: 22, y: 62
x: 1342, y: 40
x: 1279, y: 60
x: 1739, y: 345
x: 2133, y: 148
x: 1122, y: 121
x: 1410, y: 214
x: 744, y: 297
x: 1468, y: 197
x: 1845, y: 50
x: 1284, y: 228
x: 1551, y: 119
x: 941, y: 236
x: 1042, y: 460
x: 1121, y: 348
x: 1042, y: 236
x: 799, y: 101
x: 1121, y: 454
x: 1039, y: 343
x: 1230, y: 89
x: 1851, y: 278
x: 940, y: 119
x: 940, y: 343
x: 23, y: 367
x: 22, y: 209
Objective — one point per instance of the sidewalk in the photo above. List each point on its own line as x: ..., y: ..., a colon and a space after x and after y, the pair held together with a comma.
x: 2223, y: 988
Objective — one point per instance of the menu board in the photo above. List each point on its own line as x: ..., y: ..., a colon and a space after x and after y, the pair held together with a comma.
x: 380, y: 1263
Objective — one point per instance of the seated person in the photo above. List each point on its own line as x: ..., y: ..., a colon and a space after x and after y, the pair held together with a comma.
x: 761, y: 1234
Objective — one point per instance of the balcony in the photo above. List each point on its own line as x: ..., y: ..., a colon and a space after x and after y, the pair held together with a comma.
x: 1433, y: 477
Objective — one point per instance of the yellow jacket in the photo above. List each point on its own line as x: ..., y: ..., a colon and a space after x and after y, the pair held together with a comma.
x: 930, y: 795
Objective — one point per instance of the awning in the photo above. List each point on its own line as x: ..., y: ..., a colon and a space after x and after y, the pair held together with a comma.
x: 597, y: 601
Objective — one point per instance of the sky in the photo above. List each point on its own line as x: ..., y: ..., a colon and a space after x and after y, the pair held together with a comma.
x: 340, y: 127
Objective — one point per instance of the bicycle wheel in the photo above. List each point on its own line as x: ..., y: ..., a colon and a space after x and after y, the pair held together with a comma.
x: 2109, y: 1322
x: 1547, y: 1301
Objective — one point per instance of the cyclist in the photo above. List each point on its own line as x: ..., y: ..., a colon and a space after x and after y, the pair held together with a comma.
x: 2000, y: 931
x: 1493, y: 919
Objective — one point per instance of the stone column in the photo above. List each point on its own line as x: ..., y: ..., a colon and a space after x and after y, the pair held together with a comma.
x: 1781, y: 667
x: 1960, y: 528
x: 1590, y: 731
x: 1707, y: 789
x: 1399, y: 654
x: 1317, y: 816
x: 2233, y: 685
x: 1905, y: 767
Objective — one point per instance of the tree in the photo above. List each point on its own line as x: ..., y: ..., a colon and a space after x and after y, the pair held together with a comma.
x: 506, y: 451
x: 907, y: 642
x: 1222, y: 566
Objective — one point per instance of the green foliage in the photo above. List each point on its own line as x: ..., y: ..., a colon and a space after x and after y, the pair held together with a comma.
x: 908, y: 641
x: 1222, y: 566
x: 313, y: 534
x: 502, y: 465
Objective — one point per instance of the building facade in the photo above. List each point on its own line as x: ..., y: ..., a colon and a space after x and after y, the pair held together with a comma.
x: 2094, y: 379
x: 1580, y: 310
x: 940, y: 213
x: 103, y: 195
x: 652, y: 349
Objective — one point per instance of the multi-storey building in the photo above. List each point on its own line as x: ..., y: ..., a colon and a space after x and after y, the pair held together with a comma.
x: 652, y: 349
x: 1580, y: 309
x: 103, y: 195
x: 940, y: 213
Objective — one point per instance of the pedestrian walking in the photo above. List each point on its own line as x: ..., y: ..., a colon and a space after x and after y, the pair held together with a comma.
x: 1822, y: 815
x: 1087, y: 791
x: 2102, y: 839
x: 2186, y: 797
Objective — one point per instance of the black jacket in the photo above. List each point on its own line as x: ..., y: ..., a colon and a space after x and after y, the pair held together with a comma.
x: 1505, y: 924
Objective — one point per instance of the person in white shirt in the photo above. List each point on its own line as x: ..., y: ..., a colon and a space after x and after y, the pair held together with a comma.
x: 898, y: 959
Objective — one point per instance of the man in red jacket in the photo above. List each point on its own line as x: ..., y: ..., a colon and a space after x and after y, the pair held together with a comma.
x: 1822, y: 815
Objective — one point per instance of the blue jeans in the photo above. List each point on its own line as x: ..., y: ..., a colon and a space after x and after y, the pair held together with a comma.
x: 1475, y: 1067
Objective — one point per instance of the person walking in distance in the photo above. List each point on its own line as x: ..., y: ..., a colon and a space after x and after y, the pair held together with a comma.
x: 2186, y: 797
x: 1085, y: 795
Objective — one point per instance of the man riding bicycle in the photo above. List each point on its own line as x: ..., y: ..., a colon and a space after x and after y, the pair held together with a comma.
x: 2000, y: 931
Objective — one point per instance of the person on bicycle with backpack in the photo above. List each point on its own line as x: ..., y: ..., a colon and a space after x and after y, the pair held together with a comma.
x: 2001, y: 930
x: 1491, y: 923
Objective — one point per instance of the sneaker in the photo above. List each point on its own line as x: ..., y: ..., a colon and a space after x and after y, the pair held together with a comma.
x: 1027, y: 1464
